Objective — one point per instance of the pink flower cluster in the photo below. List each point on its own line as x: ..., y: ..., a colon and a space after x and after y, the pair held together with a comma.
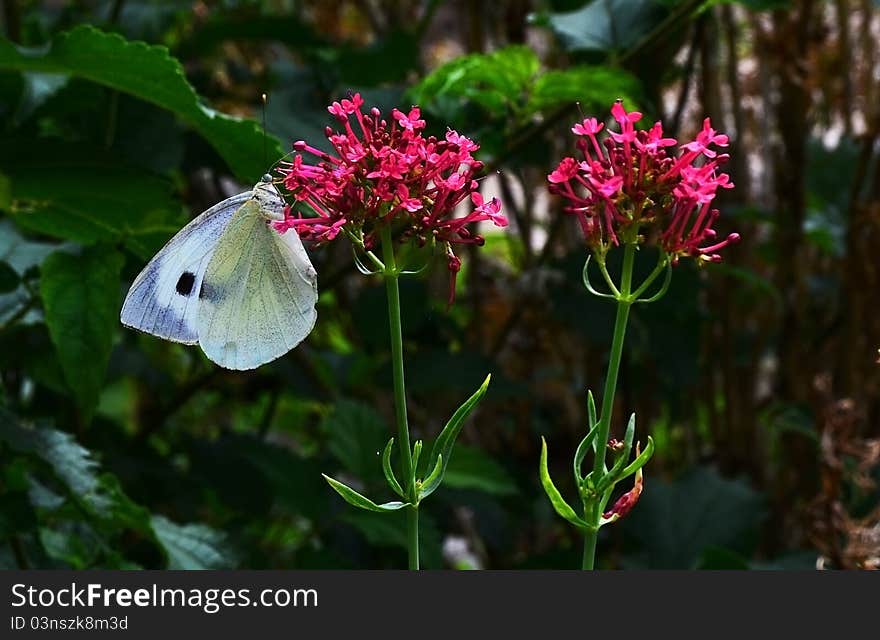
x: 631, y: 178
x: 382, y: 173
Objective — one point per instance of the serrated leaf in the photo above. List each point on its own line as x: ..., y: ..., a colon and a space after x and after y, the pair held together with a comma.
x: 81, y: 302
x: 559, y: 504
x: 595, y: 88
x: 496, y: 81
x: 150, y: 73
x: 71, y: 463
x: 191, y: 546
x: 355, y: 499
x: 445, y: 441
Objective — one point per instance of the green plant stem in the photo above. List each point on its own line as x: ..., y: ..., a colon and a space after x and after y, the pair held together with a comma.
x: 623, y: 307
x: 392, y: 288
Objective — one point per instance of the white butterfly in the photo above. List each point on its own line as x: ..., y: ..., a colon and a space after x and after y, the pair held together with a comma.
x: 230, y: 283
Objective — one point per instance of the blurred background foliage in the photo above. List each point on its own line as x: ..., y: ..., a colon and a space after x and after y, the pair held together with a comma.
x: 757, y: 378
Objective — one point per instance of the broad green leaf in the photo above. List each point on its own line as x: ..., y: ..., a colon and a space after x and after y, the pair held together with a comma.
x: 81, y: 302
x: 445, y: 441
x: 559, y: 504
x: 355, y: 499
x: 605, y: 25
x: 675, y: 523
x: 496, y: 81
x: 71, y: 464
x: 191, y: 546
x: 147, y: 72
x: 470, y: 468
x: 78, y: 196
x: 595, y: 88
x: 9, y: 278
x: 390, y: 530
x: 356, y: 435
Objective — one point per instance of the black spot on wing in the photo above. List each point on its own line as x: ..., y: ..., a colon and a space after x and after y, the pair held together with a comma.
x: 209, y: 292
x: 185, y: 283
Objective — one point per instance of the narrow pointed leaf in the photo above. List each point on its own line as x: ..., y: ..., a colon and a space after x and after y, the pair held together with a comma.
x: 591, y: 409
x: 442, y: 449
x: 581, y: 452
x: 355, y: 499
x: 416, y: 454
x: 612, y: 476
x: 640, y: 461
x: 559, y: 504
x: 389, y: 472
x: 433, y: 480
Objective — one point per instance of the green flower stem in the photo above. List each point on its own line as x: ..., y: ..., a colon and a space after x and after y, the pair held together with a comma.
x: 623, y: 306
x: 392, y: 288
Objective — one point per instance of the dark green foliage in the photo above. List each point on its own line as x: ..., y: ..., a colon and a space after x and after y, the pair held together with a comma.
x: 120, y: 450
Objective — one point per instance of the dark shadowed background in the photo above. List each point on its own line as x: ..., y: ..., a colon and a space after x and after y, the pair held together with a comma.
x: 757, y: 378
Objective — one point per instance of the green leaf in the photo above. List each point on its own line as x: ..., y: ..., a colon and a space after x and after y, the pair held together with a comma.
x: 615, y: 473
x: 582, y: 449
x: 446, y: 439
x: 595, y: 88
x: 191, y: 546
x: 416, y: 453
x: 389, y: 472
x: 81, y: 302
x: 9, y: 279
x: 676, y: 522
x: 496, y: 81
x: 432, y: 481
x: 605, y: 25
x: 149, y: 73
x: 591, y: 411
x: 356, y: 434
x: 5, y: 194
x: 355, y: 499
x: 71, y: 464
x: 87, y: 198
x: 639, y: 462
x: 473, y: 469
x: 559, y: 504
x: 719, y: 558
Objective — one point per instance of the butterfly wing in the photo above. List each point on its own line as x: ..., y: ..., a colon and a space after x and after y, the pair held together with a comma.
x: 163, y: 299
x: 257, y: 299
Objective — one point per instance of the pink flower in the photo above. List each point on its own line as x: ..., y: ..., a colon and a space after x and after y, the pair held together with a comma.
x: 382, y: 173
x: 589, y: 127
x: 637, y: 178
x: 566, y: 170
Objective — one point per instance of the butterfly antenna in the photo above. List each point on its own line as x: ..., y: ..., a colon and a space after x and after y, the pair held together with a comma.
x: 265, y: 99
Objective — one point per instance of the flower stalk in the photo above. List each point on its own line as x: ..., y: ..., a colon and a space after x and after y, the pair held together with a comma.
x: 392, y: 290
x: 625, y: 190
x: 386, y: 184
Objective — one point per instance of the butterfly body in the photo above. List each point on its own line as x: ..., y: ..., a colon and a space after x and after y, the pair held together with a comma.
x: 230, y: 283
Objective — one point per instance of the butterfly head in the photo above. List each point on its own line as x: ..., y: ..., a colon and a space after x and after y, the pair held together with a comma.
x: 270, y: 201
